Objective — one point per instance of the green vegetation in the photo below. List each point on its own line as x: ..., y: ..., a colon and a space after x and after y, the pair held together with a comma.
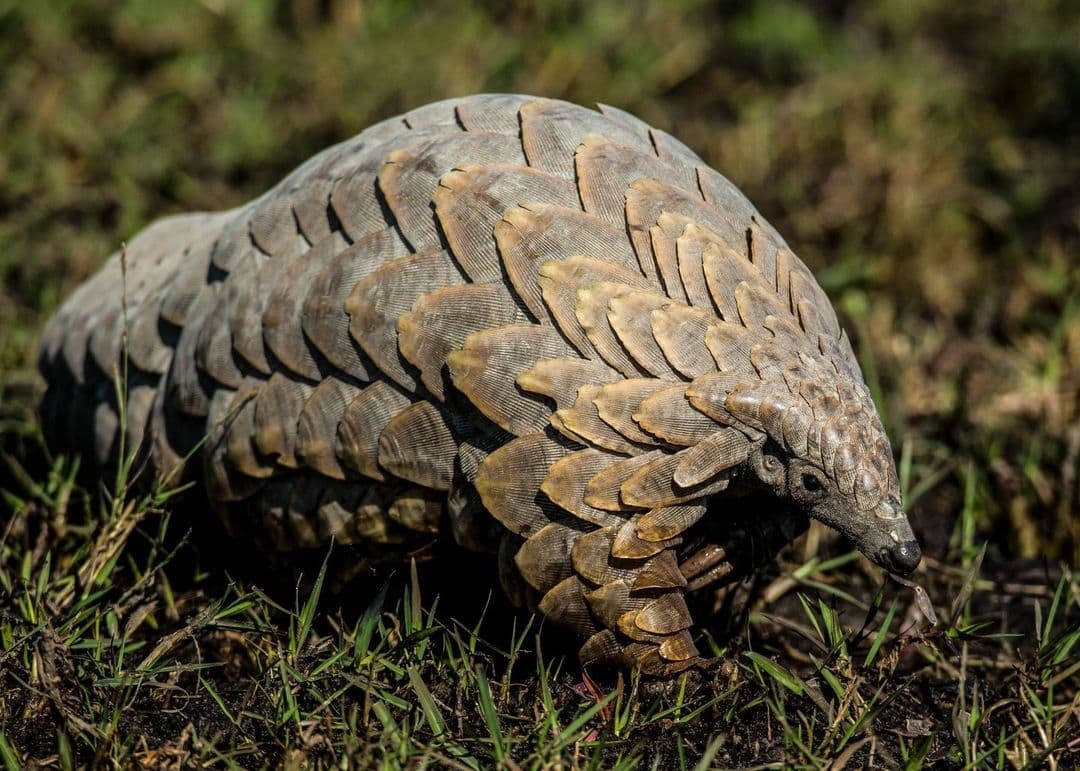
x: 922, y: 157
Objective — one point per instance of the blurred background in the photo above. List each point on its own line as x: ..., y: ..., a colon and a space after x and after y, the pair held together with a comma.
x: 922, y: 156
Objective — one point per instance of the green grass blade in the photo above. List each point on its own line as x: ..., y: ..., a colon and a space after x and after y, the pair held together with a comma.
x: 491, y: 718
x: 776, y: 672
x: 879, y: 638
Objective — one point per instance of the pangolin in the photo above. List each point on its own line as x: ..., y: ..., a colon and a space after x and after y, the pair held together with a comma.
x: 549, y: 332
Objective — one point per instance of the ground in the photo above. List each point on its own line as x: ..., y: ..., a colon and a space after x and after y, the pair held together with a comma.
x: 922, y: 157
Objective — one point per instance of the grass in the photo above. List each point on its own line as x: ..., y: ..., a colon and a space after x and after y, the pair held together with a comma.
x: 125, y: 667
x: 922, y: 157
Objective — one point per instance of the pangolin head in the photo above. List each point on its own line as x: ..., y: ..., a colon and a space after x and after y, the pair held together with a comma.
x: 852, y: 486
x: 825, y: 452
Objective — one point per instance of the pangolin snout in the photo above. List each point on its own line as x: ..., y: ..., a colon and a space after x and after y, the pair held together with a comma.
x: 902, y: 558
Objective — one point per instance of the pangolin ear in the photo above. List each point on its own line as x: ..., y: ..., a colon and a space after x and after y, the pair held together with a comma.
x: 769, y: 469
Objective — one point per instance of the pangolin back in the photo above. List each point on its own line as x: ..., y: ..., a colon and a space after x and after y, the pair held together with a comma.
x: 552, y: 332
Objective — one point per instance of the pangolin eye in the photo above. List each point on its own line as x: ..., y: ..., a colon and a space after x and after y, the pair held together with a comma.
x: 811, y: 483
